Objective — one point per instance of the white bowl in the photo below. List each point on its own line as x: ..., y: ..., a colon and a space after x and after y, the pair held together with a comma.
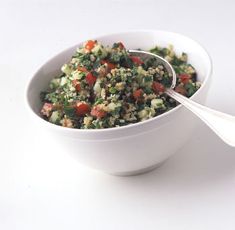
x: 134, y: 148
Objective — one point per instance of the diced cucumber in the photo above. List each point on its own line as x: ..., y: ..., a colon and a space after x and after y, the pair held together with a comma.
x: 156, y: 103
x: 66, y: 69
x: 55, y: 117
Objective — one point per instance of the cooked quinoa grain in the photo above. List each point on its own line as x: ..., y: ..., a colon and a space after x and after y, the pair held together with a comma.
x: 104, y: 87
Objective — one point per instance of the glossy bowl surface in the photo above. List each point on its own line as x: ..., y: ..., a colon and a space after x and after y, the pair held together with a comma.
x: 136, y: 148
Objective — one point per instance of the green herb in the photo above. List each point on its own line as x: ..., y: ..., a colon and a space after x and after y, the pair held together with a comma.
x: 125, y: 61
x: 148, y: 90
x: 99, y: 101
x: 149, y: 63
x: 112, y: 90
x: 191, y: 89
x: 43, y: 95
x: 115, y: 45
x: 148, y: 78
x: 70, y: 111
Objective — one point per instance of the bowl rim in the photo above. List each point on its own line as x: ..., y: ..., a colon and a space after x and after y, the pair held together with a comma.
x: 125, y: 127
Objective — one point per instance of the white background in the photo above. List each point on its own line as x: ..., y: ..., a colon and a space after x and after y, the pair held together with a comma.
x: 43, y: 188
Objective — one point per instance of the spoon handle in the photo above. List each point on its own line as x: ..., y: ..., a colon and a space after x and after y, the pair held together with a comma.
x: 221, y: 123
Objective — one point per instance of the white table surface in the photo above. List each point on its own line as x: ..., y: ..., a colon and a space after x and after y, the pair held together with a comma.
x: 43, y: 188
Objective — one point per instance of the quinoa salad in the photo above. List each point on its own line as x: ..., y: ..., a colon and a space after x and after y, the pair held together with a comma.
x: 105, y: 87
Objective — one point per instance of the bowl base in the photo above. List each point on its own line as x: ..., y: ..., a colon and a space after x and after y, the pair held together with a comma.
x: 138, y: 172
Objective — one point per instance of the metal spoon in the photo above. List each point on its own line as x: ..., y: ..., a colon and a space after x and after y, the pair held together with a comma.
x: 221, y: 123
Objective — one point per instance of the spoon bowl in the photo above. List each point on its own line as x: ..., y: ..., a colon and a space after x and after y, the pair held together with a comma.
x: 221, y: 123
x: 158, y: 60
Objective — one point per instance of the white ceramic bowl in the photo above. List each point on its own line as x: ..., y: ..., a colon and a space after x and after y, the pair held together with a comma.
x: 134, y: 148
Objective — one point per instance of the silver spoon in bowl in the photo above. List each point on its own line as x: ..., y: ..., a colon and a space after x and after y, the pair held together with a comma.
x: 221, y: 123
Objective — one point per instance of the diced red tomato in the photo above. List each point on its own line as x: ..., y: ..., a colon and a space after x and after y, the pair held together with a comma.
x: 82, y: 108
x: 98, y: 112
x: 109, y: 64
x: 121, y: 46
x: 158, y: 87
x: 76, y: 84
x: 90, y: 45
x: 90, y: 79
x: 78, y: 87
x: 47, y: 109
x: 184, y: 78
x: 136, y: 60
x: 82, y: 69
x: 180, y: 89
x: 137, y: 94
